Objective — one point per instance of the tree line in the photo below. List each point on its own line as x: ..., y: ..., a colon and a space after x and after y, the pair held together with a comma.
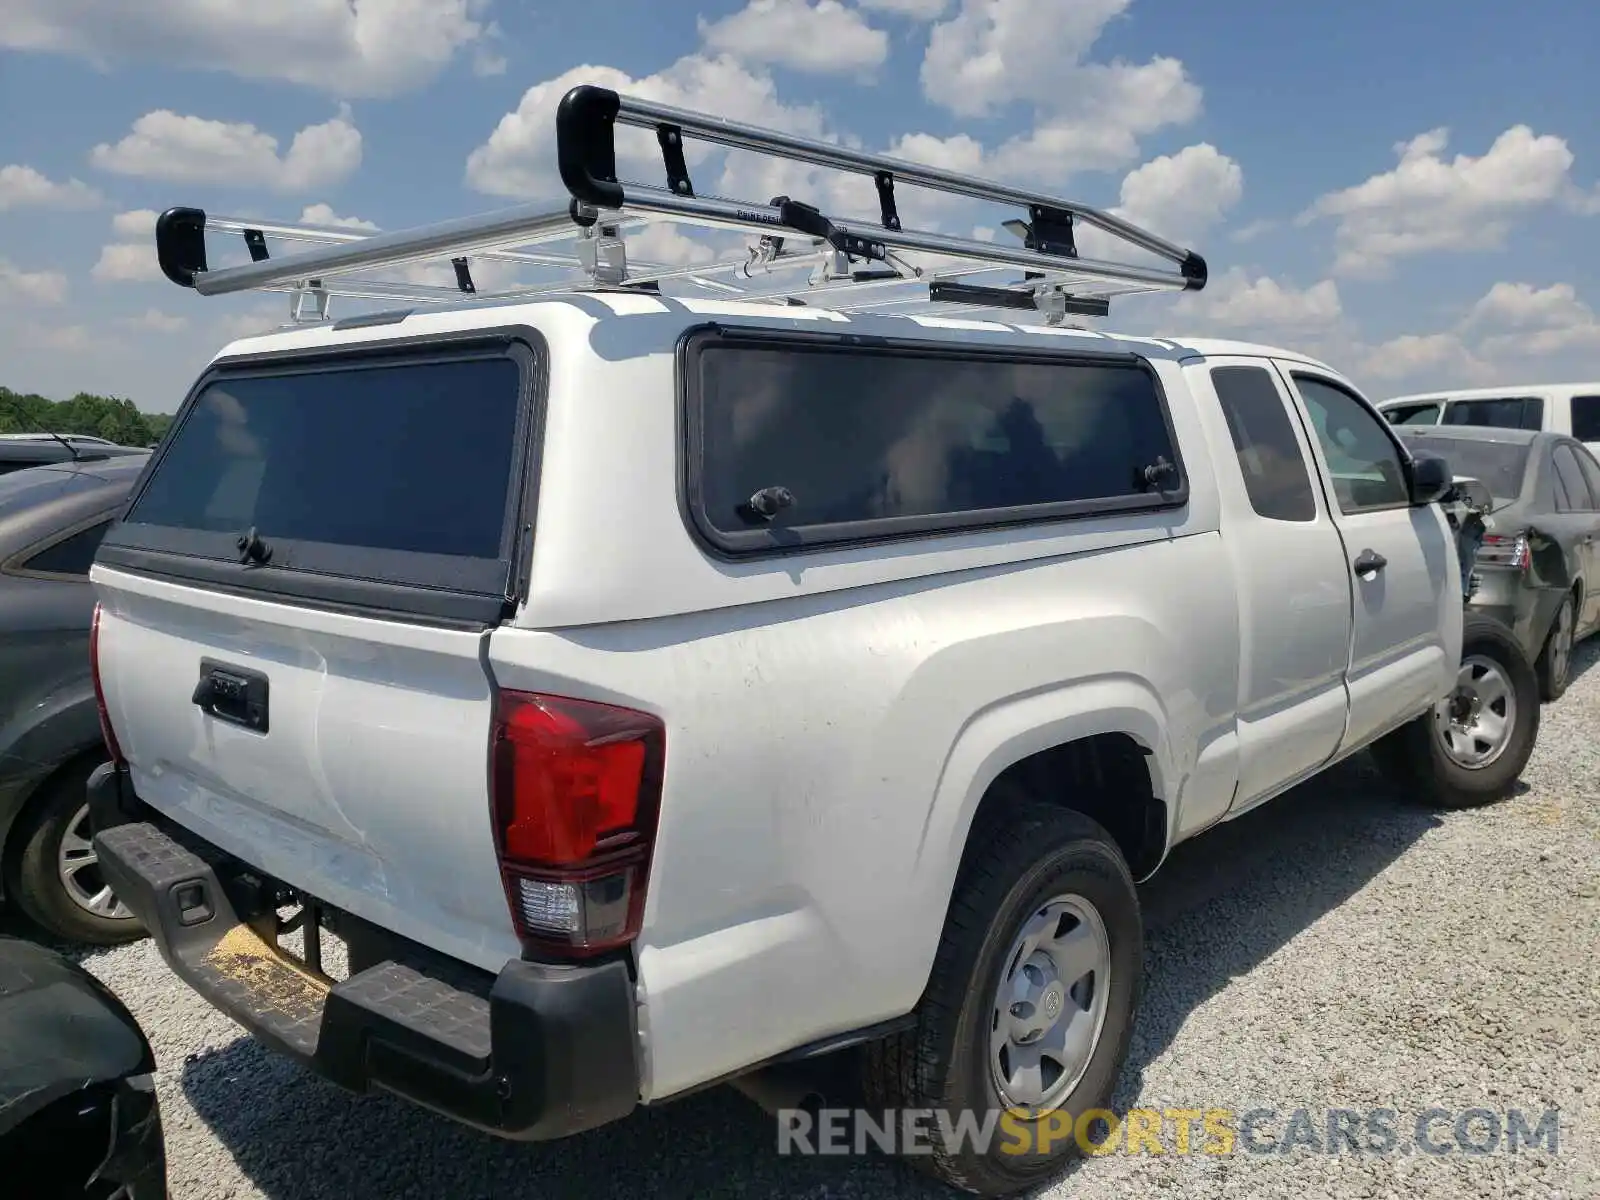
x: 110, y: 417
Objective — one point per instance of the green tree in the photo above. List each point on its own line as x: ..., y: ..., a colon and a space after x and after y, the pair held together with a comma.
x: 110, y: 417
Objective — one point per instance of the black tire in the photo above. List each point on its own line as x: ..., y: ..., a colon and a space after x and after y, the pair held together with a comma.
x: 32, y: 878
x: 942, y: 1062
x: 1414, y: 755
x: 1554, y: 666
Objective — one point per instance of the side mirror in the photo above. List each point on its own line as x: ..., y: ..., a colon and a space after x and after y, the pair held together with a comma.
x: 1431, y: 479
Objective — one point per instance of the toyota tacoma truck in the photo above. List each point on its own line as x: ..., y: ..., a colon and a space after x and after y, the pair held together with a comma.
x: 649, y: 692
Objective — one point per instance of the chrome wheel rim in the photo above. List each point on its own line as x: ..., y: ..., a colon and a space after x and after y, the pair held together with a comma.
x: 1050, y: 1006
x: 1561, y: 644
x: 1474, y: 723
x: 78, y: 869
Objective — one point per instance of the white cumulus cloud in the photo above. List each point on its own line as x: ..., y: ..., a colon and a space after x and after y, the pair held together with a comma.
x: 153, y: 320
x: 1520, y: 320
x: 1086, y: 115
x: 131, y: 258
x: 518, y: 159
x: 186, y: 149
x: 345, y: 47
x: 920, y: 10
x: 1429, y: 203
x: 323, y: 214
x: 1438, y: 356
x: 819, y: 36
x: 23, y: 187
x: 1240, y: 301
x: 18, y: 286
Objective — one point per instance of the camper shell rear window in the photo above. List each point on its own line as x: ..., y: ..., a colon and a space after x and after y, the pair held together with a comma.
x: 381, y: 479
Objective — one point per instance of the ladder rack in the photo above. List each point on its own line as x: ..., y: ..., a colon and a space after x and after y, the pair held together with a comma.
x: 853, y: 265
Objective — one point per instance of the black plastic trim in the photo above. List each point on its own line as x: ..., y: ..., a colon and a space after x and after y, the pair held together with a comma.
x: 1050, y: 231
x: 471, y: 593
x: 536, y: 1052
x: 889, y: 214
x: 360, y: 598
x: 181, y: 244
x: 586, y: 145
x: 732, y: 545
x: 1195, y: 272
x: 670, y: 139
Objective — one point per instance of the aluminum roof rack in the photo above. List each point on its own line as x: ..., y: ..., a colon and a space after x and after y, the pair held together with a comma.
x: 854, y: 265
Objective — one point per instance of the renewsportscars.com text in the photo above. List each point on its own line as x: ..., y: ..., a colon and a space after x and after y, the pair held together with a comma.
x: 1177, y: 1131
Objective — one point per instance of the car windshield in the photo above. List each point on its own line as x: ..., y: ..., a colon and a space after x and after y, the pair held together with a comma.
x: 1499, y: 466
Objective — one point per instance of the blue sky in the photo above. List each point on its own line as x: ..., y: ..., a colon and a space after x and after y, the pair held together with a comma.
x: 1411, y: 191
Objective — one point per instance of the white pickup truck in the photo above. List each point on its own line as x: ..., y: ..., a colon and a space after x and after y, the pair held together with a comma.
x: 648, y: 690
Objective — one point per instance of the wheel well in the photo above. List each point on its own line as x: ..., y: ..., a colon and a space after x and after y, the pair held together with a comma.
x: 40, y: 795
x: 1105, y: 777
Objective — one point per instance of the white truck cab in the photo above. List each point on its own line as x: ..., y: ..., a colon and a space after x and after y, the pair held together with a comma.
x: 652, y: 690
x: 1569, y: 408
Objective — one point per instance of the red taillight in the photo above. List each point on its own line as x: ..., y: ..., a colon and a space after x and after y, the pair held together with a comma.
x: 106, y: 732
x: 576, y: 792
x: 1501, y: 550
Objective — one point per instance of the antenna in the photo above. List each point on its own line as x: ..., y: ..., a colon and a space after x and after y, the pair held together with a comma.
x: 851, y: 265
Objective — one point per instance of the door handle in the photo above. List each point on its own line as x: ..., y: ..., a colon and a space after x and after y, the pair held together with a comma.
x: 1369, y: 562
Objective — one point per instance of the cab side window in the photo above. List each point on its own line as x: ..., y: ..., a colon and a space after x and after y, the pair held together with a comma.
x: 1586, y: 418
x: 1274, y: 469
x: 1362, y: 458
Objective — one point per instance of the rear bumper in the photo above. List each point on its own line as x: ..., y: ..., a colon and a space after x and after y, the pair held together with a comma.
x: 537, y: 1052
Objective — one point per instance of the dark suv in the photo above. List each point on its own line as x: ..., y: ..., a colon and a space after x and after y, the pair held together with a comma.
x: 51, y: 521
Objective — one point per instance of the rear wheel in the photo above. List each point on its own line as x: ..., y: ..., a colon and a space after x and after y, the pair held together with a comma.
x: 1472, y: 748
x: 55, y: 873
x: 1030, y: 1005
x: 1555, y: 659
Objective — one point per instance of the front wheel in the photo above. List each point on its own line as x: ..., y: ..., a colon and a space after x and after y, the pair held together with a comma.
x: 1029, y: 1009
x: 1471, y: 749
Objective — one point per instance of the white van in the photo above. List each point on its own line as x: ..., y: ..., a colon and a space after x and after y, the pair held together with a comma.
x: 1569, y: 408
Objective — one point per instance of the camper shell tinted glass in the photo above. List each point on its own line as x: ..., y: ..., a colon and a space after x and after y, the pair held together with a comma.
x: 844, y: 439
x: 385, y: 479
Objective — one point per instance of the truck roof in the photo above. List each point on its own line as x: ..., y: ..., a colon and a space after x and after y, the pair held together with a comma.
x: 1486, y: 393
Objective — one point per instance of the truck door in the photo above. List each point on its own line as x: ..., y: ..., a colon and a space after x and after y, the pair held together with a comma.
x: 1407, y: 611
x: 1288, y: 563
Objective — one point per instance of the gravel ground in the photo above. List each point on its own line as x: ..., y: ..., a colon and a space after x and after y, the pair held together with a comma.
x: 1335, y: 949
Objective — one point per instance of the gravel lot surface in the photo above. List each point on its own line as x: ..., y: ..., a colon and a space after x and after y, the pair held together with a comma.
x: 1336, y: 949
